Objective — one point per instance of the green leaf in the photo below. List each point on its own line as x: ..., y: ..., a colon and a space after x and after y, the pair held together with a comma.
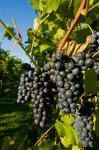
x: 44, y: 27
x: 70, y: 137
x: 84, y: 26
x: 53, y: 5
x: 60, y: 127
x: 65, y: 141
x: 59, y: 34
x: 65, y: 130
x: 45, y: 6
x: 30, y: 33
x: 35, y: 4
x: 76, y: 147
x: 67, y: 119
x: 81, y: 34
x: 93, y: 2
x: 76, y: 5
x: 43, y: 47
x: 7, y: 35
x: 90, y: 82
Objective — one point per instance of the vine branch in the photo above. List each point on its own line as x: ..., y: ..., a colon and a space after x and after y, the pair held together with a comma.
x: 96, y: 5
x: 16, y: 39
x: 42, y: 22
x: 97, y: 53
x: 17, y: 30
x: 7, y: 29
x: 66, y: 36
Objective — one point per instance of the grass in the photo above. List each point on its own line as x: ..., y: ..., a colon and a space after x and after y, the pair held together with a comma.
x: 15, y: 121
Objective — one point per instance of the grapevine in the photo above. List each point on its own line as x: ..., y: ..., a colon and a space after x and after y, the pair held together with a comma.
x: 54, y: 84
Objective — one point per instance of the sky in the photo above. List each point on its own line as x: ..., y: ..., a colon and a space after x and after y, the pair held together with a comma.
x: 23, y: 14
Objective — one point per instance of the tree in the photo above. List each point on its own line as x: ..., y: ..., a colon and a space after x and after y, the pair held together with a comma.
x: 10, y: 67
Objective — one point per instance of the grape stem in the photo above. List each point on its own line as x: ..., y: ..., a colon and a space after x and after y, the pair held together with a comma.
x: 43, y: 136
x: 17, y: 29
x: 42, y: 22
x: 96, y: 54
x: 96, y: 5
x: 66, y: 36
x: 90, y: 28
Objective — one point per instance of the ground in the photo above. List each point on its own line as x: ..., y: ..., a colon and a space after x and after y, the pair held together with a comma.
x: 15, y: 121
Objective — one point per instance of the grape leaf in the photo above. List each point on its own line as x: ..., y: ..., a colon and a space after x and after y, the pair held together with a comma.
x: 7, y: 35
x: 93, y: 2
x: 60, y: 127
x: 45, y: 6
x: 81, y: 35
x: 35, y: 4
x: 68, y: 120
x: 76, y: 147
x: 53, y: 5
x: 90, y: 82
x: 70, y: 137
x: 43, y: 47
x: 65, y: 130
x: 59, y: 34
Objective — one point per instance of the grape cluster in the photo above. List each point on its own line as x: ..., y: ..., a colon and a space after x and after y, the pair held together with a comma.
x: 94, y: 42
x: 68, y: 79
x: 96, y: 67
x: 84, y: 123
x: 24, y: 89
x: 60, y: 79
x: 41, y: 97
x: 84, y: 60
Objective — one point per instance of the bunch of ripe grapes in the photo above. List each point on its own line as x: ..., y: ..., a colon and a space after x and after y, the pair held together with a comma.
x: 58, y: 84
x: 94, y: 42
x: 84, y: 123
x: 24, y: 89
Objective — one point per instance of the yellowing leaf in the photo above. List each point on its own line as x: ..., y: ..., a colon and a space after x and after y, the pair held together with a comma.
x: 65, y: 141
x: 60, y: 128
x: 70, y: 137
x: 59, y: 34
x: 67, y: 133
x: 76, y: 147
x: 68, y: 120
